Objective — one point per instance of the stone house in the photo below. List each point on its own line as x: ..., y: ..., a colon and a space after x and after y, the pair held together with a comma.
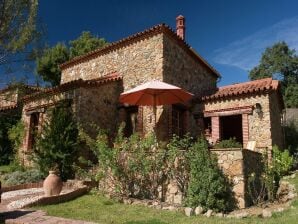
x: 92, y: 83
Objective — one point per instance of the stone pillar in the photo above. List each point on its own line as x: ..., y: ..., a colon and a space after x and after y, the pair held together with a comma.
x: 215, y: 127
x: 245, y: 129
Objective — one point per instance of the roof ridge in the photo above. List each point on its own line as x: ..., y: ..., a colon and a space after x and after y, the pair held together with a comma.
x: 260, y: 85
x: 162, y: 27
x: 114, y: 76
x: 113, y: 44
x: 248, y: 82
x: 23, y: 85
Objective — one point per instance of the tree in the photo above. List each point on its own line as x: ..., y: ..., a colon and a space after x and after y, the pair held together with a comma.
x: 47, y: 66
x: 18, y: 30
x: 85, y: 43
x: 57, y: 144
x: 48, y: 63
x: 291, y: 96
x: 280, y: 62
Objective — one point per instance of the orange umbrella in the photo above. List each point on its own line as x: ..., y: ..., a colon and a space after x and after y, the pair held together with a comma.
x: 155, y: 93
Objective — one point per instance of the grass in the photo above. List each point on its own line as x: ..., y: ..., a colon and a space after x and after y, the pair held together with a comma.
x: 99, y: 209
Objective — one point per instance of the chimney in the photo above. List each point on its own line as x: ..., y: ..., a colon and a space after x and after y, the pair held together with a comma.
x: 180, y: 26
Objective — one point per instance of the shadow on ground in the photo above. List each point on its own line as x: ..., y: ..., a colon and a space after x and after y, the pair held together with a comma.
x: 13, y: 214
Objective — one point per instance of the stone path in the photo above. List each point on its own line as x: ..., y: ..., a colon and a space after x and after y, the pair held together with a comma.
x: 10, y: 215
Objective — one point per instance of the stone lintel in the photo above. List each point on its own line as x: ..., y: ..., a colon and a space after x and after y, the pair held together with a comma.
x: 229, y: 111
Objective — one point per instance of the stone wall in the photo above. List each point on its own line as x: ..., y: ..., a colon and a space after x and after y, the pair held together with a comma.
x: 8, y: 98
x: 93, y: 107
x: 137, y: 63
x: 98, y: 106
x: 186, y: 72
x: 238, y: 165
x: 259, y: 129
x: 231, y: 163
x: 156, y: 57
x: 276, y: 109
x: 190, y: 74
x: 253, y: 165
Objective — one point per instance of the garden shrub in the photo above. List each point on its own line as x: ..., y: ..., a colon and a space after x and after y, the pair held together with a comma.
x: 282, y: 161
x: 57, y: 145
x: 134, y: 163
x: 7, y: 149
x: 265, y: 187
x: 139, y: 166
x: 16, y: 135
x: 291, y: 133
x: 177, y: 164
x: 22, y: 177
x: 228, y: 143
x: 208, y: 187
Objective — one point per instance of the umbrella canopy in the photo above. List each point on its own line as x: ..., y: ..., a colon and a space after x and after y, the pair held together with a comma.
x: 155, y: 93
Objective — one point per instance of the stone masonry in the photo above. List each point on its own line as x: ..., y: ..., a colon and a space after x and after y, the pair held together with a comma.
x: 263, y: 128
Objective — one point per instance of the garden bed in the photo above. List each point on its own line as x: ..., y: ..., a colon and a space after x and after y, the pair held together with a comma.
x: 97, y: 208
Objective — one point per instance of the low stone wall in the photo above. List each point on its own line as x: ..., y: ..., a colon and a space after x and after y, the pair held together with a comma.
x: 230, y: 160
x: 253, y: 164
x: 22, y: 186
x: 236, y: 163
x: 59, y: 198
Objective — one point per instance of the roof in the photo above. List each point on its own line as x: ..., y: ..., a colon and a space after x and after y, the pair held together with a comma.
x: 256, y: 86
x: 10, y: 107
x: 72, y: 85
x: 12, y: 87
x: 161, y: 28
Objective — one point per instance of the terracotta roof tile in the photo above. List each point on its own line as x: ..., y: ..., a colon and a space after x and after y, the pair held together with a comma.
x: 160, y: 28
x: 8, y: 107
x: 30, y: 87
x: 73, y: 84
x: 255, y: 86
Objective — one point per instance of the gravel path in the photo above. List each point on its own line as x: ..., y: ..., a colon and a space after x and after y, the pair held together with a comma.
x: 14, y: 200
x: 22, y: 202
x: 12, y: 194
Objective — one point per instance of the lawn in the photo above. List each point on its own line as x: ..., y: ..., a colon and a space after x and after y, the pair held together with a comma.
x: 99, y: 209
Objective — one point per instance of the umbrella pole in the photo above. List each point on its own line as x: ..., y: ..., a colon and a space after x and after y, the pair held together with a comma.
x: 154, y: 110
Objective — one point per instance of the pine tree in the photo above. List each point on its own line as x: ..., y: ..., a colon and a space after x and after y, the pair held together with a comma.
x: 57, y: 144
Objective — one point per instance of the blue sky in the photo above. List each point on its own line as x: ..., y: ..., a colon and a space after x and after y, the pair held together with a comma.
x: 229, y: 34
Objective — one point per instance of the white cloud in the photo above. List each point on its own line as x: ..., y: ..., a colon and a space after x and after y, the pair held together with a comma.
x: 246, y: 53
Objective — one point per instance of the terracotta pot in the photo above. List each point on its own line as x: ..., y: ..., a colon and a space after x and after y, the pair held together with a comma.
x: 52, y: 185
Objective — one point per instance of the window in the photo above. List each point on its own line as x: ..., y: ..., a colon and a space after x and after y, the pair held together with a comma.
x: 178, y: 118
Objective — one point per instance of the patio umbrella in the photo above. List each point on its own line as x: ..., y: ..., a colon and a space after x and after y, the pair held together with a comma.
x: 155, y: 93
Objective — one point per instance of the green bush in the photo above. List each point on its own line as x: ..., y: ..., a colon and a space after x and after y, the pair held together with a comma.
x: 56, y: 148
x: 228, y: 143
x: 265, y: 186
x: 282, y: 161
x: 22, y: 177
x: 139, y: 166
x: 208, y: 187
x: 7, y: 149
x: 12, y: 167
x: 291, y: 133
x: 133, y: 162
